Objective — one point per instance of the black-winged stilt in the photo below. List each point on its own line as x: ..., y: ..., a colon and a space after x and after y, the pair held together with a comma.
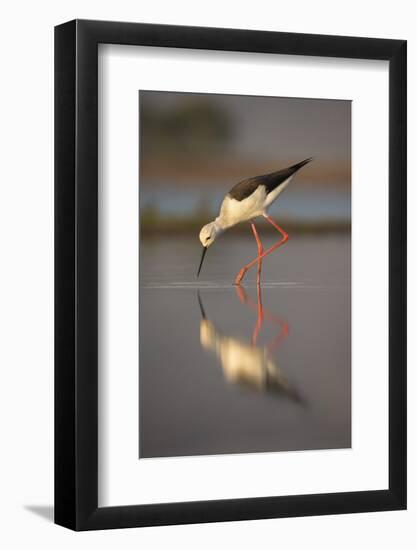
x: 247, y: 200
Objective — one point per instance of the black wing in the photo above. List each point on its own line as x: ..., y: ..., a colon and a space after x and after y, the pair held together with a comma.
x: 271, y: 181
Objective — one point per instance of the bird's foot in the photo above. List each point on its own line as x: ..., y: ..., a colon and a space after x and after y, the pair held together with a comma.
x: 240, y: 276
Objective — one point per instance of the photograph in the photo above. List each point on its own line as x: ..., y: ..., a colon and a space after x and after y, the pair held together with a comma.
x: 208, y: 235
x: 244, y: 274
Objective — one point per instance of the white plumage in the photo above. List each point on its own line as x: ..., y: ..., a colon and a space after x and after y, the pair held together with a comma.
x: 246, y: 201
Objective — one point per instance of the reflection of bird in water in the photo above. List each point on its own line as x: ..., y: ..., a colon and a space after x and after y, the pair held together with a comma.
x: 247, y: 200
x: 247, y: 363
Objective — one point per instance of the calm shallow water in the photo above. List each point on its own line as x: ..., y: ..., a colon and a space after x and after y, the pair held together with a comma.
x: 214, y: 378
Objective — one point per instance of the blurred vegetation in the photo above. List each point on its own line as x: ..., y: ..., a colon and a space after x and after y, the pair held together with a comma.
x: 195, y: 138
x: 196, y: 126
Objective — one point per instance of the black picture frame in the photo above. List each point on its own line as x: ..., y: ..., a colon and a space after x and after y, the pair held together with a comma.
x: 76, y: 272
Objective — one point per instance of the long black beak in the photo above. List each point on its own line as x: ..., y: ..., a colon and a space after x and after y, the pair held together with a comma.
x: 200, y: 302
x: 202, y: 260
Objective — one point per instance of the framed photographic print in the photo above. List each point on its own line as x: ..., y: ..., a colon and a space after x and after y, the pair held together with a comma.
x: 230, y: 275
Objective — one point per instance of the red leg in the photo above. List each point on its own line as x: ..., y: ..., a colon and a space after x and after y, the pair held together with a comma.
x: 260, y: 251
x: 247, y: 300
x: 241, y: 294
x: 276, y: 342
x: 263, y: 313
x: 284, y: 239
x: 260, y: 318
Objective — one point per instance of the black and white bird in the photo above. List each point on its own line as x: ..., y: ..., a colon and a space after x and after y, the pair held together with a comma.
x: 247, y: 200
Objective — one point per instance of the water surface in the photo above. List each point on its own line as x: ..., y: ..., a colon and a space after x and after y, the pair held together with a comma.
x: 229, y: 371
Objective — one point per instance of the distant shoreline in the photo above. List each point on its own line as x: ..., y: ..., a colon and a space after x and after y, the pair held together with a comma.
x: 180, y: 226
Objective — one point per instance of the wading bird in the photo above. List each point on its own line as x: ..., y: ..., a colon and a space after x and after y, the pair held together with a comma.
x: 247, y: 200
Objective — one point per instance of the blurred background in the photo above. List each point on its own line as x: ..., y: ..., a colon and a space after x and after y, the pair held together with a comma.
x: 195, y: 147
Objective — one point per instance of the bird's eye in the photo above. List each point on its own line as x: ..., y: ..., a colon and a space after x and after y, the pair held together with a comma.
x: 207, y: 239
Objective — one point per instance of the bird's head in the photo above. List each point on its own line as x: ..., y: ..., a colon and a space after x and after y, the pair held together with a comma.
x: 208, y: 235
